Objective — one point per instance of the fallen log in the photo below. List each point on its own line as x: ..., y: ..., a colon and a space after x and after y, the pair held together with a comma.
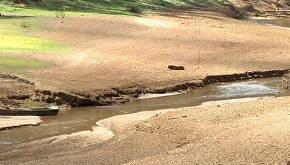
x: 174, y: 67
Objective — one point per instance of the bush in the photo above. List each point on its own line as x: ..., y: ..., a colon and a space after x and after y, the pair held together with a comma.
x: 135, y: 9
x: 25, y: 1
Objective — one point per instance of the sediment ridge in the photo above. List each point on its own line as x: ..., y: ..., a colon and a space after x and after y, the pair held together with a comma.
x: 119, y: 96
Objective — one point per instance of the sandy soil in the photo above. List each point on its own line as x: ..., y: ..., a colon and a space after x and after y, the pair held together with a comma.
x: 128, y: 52
x: 7, y: 122
x: 238, y: 133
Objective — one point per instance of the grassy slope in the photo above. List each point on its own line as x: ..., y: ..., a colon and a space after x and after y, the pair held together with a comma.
x: 14, y: 38
x: 16, y: 65
x: 14, y: 30
x: 112, y: 7
x: 17, y: 62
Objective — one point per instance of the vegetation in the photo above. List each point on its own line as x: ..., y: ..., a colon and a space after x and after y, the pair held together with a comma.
x: 16, y: 65
x: 15, y: 37
x: 113, y: 7
x: 20, y: 62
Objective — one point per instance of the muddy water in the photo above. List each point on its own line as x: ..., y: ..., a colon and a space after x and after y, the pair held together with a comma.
x: 79, y: 119
x: 283, y: 22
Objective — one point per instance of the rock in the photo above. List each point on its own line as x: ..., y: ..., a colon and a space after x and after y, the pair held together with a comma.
x: 18, y: 97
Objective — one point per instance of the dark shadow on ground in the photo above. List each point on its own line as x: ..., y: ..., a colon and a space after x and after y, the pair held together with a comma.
x: 201, y: 11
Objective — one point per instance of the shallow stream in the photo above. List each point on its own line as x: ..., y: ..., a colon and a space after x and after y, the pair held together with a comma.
x: 283, y: 22
x: 79, y: 119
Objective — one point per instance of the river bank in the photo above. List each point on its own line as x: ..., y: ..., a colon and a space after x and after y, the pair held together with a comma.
x: 131, y: 55
x: 119, y: 63
x: 74, y: 100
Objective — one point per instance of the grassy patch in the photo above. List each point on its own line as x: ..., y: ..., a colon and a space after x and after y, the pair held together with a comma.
x: 112, y: 7
x: 18, y: 65
x: 21, y: 63
x: 13, y: 71
x: 15, y: 37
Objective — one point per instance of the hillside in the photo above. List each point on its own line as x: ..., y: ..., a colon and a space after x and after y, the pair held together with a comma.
x: 116, y: 7
x: 60, y: 8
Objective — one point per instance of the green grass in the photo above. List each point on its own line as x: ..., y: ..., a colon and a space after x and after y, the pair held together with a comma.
x: 112, y: 7
x: 18, y: 65
x: 21, y: 63
x: 15, y: 37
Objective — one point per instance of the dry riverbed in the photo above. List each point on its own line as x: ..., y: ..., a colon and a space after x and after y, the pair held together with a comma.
x: 117, y: 57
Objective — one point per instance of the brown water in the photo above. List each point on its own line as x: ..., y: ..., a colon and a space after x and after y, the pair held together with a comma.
x: 283, y: 22
x: 79, y: 119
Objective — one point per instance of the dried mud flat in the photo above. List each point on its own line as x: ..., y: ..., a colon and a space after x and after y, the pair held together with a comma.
x: 129, y: 54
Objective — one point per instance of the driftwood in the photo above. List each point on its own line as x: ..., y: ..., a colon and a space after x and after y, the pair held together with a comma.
x: 277, y: 11
x: 174, y: 67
